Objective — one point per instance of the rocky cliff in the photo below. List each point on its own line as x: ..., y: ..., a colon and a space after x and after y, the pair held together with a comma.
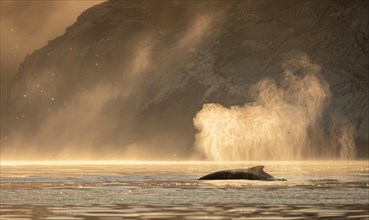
x: 129, y: 76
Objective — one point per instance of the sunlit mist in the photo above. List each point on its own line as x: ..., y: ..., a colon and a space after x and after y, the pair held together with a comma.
x: 100, y: 119
x: 283, y: 122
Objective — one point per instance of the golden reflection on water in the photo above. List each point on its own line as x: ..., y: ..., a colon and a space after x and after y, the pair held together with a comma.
x: 170, y: 189
x: 143, y: 162
x: 187, y: 168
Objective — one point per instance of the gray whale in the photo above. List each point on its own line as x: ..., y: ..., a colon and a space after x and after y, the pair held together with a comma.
x: 253, y: 173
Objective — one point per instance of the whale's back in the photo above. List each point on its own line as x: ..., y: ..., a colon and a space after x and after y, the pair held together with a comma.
x: 253, y: 173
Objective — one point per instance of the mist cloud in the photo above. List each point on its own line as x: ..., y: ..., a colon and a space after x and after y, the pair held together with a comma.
x: 97, y: 118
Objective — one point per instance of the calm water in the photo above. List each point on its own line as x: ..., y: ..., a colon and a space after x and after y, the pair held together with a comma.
x: 117, y: 190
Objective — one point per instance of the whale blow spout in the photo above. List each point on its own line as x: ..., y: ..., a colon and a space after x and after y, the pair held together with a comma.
x: 253, y: 173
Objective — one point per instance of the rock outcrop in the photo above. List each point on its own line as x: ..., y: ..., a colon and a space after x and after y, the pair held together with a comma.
x: 129, y: 76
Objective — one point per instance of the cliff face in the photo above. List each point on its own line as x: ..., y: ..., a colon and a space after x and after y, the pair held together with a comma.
x: 131, y: 75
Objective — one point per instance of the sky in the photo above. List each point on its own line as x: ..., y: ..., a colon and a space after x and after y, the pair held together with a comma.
x: 27, y: 25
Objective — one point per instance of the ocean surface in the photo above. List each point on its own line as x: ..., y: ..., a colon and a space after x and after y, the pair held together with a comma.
x: 170, y: 190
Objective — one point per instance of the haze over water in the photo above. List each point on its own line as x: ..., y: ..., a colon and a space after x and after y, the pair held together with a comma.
x: 148, y: 190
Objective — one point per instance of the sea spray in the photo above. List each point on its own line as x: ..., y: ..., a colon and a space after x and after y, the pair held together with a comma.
x: 284, y: 122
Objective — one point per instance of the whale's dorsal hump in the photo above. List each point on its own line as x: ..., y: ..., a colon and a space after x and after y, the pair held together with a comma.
x: 259, y: 171
x: 257, y: 168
